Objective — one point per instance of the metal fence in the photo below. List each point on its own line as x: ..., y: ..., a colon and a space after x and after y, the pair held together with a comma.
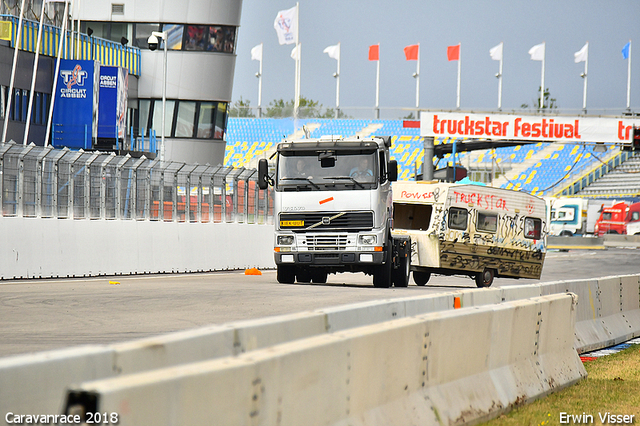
x: 43, y: 182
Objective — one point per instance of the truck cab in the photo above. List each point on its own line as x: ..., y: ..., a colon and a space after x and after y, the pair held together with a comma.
x: 333, y: 210
x: 615, y: 219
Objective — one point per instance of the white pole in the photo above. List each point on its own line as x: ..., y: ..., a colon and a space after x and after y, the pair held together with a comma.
x: 13, y: 74
x: 55, y: 75
x: 164, y: 95
x: 629, y: 78
x: 79, y: 42
x: 500, y: 80
x: 544, y: 54
x: 418, y: 80
x: 73, y: 34
x: 260, y: 82
x: 459, y: 65
x: 33, y: 77
x: 378, y: 84
x: 584, y: 95
x: 338, y: 83
x: 297, y: 78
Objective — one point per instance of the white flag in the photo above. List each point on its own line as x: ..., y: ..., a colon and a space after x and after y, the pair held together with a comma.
x: 582, y: 54
x: 256, y: 53
x: 496, y: 52
x: 537, y: 52
x: 286, y: 25
x: 294, y: 52
x: 333, y: 51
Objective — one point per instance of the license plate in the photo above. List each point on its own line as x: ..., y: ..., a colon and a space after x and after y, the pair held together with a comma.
x: 292, y: 223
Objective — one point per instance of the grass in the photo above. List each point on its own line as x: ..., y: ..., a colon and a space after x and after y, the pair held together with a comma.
x: 613, y: 386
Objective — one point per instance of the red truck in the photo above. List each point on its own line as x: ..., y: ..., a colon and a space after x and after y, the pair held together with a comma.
x: 614, y: 219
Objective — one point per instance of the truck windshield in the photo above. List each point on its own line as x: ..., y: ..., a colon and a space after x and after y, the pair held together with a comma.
x: 313, y: 171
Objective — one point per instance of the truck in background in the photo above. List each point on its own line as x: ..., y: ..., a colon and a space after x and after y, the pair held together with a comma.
x: 615, y: 219
x: 568, y: 217
x: 333, y: 211
x: 479, y: 231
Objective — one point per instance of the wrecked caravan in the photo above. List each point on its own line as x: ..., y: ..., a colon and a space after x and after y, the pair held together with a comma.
x: 472, y: 230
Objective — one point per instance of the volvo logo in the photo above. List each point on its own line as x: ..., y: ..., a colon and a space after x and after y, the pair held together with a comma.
x: 326, y: 220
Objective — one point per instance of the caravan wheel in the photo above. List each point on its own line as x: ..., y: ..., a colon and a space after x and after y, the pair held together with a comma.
x: 485, y: 278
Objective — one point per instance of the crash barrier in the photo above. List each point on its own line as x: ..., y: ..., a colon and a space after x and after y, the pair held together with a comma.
x: 55, y: 370
x: 38, y: 248
x: 573, y: 243
x: 614, y: 240
x: 440, y: 368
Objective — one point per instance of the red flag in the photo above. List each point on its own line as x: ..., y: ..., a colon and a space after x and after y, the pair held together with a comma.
x: 453, y: 53
x: 374, y: 52
x: 411, y: 52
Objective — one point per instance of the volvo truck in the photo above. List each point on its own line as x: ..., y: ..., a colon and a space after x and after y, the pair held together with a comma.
x: 333, y: 210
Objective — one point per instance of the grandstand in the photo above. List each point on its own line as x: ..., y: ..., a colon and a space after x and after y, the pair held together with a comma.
x: 543, y: 169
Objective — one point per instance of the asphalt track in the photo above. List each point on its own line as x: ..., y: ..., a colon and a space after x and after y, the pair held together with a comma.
x: 37, y: 315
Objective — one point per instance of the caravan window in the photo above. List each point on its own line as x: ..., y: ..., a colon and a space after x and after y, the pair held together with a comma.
x: 532, y: 228
x: 487, y: 222
x: 458, y: 218
x: 412, y: 216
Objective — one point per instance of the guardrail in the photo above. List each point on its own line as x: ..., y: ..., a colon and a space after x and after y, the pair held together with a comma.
x: 605, y: 312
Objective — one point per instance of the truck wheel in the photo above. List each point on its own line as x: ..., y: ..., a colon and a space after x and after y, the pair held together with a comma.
x: 566, y: 234
x: 485, y: 278
x: 421, y: 278
x: 303, y: 276
x: 286, y: 274
x: 319, y: 276
x: 401, y: 275
x: 382, y: 273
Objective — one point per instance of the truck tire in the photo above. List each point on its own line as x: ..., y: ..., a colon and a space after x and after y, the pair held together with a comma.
x: 401, y: 275
x: 485, y: 278
x: 421, y: 278
x: 303, y: 276
x: 319, y: 276
x: 286, y: 274
x: 382, y: 273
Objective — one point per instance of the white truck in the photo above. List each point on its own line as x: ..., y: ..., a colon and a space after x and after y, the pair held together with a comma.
x: 333, y: 210
x: 568, y: 217
x: 465, y: 229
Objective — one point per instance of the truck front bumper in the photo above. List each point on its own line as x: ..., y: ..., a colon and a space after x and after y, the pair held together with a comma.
x: 329, y: 258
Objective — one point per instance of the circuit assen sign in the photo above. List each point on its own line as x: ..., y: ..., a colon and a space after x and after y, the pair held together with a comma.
x: 527, y: 127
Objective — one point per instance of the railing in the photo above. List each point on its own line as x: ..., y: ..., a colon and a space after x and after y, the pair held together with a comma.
x: 106, y: 52
x: 46, y: 182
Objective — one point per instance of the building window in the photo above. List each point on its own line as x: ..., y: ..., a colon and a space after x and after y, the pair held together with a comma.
x: 142, y: 33
x: 175, y: 34
x: 185, y: 119
x: 157, y: 117
x: 205, y: 120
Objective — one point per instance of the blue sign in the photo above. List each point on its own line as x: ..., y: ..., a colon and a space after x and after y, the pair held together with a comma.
x: 75, y: 112
x: 112, y: 111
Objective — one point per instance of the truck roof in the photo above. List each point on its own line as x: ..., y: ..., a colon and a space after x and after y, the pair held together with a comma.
x: 374, y: 142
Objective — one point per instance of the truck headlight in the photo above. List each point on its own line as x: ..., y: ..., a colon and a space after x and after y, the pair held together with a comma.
x: 285, y: 240
x: 367, y: 240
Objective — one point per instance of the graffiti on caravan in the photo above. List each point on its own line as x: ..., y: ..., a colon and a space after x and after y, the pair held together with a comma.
x: 526, y: 127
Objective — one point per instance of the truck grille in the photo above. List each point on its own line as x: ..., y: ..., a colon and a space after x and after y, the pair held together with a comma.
x: 326, y: 242
x: 327, y: 221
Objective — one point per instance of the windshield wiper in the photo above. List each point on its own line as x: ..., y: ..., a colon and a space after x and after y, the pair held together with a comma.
x: 345, y: 177
x: 302, y: 178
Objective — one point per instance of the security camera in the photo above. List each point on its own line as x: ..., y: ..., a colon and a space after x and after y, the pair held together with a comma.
x: 153, y: 42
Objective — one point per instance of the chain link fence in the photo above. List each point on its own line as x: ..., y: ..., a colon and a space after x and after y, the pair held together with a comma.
x: 44, y: 182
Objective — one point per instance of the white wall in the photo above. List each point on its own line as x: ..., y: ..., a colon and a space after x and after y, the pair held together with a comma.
x: 33, y: 247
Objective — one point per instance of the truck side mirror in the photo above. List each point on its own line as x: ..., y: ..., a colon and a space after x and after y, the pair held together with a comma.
x: 393, y: 170
x: 263, y: 173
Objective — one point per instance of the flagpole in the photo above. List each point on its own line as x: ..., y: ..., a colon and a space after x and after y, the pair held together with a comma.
x: 57, y: 71
x: 33, y: 77
x: 13, y: 74
x: 418, y: 80
x: 338, y: 84
x: 586, y: 66
x: 459, y: 65
x: 544, y: 54
x: 629, y: 79
x: 297, y: 78
x: 500, y: 78
x: 378, y: 85
x: 260, y: 82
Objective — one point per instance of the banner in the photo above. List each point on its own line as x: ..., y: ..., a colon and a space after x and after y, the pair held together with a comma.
x: 527, y: 127
x: 286, y: 25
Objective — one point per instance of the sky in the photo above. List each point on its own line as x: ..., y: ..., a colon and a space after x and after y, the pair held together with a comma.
x: 478, y: 25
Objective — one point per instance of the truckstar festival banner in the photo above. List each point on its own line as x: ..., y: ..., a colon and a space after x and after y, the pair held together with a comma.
x: 527, y: 127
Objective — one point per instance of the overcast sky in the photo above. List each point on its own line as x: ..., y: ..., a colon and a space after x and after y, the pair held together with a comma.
x: 479, y: 25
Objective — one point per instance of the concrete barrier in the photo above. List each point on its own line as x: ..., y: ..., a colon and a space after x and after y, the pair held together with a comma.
x: 573, y: 243
x: 414, y: 370
x: 82, y: 248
